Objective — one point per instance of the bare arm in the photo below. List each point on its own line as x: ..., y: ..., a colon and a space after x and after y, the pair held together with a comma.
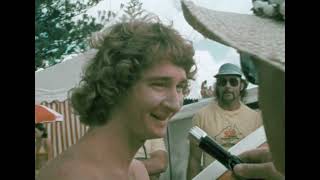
x: 194, y: 163
x: 137, y: 171
x: 49, y: 148
x: 157, y: 163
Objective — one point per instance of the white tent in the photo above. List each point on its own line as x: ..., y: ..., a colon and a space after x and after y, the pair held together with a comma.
x: 51, y: 90
x: 54, y: 82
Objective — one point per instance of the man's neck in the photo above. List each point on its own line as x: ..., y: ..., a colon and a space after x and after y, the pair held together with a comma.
x: 229, y: 106
x: 111, y: 144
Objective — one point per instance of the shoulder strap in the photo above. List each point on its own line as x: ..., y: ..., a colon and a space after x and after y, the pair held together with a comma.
x: 145, y: 151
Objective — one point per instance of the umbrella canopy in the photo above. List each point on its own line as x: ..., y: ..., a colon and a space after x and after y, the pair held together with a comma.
x: 44, y: 114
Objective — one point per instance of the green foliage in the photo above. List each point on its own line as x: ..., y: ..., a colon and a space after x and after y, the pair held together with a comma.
x: 133, y: 9
x: 62, y: 27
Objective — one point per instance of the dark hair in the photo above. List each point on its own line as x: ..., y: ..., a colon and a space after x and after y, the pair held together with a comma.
x: 41, y: 128
x: 126, y: 50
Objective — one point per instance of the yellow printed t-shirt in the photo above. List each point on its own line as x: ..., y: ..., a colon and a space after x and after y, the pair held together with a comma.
x: 226, y: 127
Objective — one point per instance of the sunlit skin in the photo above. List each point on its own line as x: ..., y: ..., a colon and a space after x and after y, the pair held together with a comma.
x: 154, y: 100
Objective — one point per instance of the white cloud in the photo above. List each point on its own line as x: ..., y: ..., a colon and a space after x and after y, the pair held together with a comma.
x: 232, y: 56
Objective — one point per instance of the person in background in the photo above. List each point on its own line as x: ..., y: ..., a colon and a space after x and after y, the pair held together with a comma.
x: 43, y: 150
x: 205, y: 91
x: 225, y: 118
x: 154, y: 156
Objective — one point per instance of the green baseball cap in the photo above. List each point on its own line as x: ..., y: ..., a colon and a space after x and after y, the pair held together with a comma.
x: 229, y: 69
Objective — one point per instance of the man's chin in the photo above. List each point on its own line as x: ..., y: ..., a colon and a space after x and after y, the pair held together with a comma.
x: 228, y: 100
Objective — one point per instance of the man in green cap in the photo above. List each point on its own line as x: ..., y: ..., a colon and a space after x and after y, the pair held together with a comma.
x: 225, y: 118
x: 259, y: 38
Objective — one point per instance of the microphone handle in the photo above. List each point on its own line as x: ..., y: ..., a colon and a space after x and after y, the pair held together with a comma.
x: 218, y: 152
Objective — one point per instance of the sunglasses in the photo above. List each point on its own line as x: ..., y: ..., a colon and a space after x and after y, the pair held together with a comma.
x: 249, y: 69
x: 223, y: 82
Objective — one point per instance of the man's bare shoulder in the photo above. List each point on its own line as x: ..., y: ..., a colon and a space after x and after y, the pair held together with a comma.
x: 68, y: 169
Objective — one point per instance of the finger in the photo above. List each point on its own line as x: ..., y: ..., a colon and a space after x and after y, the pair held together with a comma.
x: 236, y: 177
x: 260, y: 155
x: 262, y: 170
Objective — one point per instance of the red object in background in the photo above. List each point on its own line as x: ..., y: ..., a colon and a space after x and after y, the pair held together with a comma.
x: 44, y: 114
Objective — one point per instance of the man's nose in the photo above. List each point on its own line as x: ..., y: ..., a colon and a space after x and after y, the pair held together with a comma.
x: 173, y: 101
x: 228, y: 85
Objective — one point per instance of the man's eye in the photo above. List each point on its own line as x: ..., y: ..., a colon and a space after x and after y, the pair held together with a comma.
x: 180, y: 88
x: 160, y: 84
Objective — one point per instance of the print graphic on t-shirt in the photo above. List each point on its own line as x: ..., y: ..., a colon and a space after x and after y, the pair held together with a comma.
x: 229, y: 136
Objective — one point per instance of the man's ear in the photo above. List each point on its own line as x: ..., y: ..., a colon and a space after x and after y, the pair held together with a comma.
x: 243, y: 85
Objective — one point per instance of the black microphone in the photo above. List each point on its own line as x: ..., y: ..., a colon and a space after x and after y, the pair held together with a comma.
x: 207, y: 144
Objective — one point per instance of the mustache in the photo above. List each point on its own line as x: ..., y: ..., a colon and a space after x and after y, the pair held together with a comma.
x: 224, y: 92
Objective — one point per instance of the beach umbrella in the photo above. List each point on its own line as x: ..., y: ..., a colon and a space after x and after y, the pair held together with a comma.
x: 44, y: 114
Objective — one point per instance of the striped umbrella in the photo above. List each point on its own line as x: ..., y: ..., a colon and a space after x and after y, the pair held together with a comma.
x: 44, y: 114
